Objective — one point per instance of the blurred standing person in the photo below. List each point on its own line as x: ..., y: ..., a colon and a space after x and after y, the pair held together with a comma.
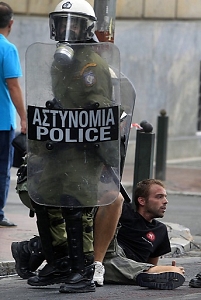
x: 11, y: 99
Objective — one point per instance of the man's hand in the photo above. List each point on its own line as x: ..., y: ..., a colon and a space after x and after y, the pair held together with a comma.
x: 181, y: 268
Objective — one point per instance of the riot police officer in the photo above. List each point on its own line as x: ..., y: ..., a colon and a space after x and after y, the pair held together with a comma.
x: 80, y: 79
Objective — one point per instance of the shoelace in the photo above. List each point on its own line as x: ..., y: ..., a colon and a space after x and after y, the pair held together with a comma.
x: 99, y: 268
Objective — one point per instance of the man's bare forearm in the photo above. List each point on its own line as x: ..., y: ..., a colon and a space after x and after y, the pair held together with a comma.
x: 17, y: 99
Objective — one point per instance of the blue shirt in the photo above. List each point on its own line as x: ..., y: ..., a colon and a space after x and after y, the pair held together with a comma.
x: 9, y: 68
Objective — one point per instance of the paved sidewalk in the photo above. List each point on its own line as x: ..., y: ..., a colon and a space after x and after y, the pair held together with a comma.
x: 182, y: 177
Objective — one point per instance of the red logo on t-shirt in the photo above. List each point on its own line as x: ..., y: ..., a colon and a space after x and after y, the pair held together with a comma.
x: 151, y: 236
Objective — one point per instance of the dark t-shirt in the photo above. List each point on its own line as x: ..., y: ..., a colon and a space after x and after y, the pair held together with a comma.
x: 141, y: 239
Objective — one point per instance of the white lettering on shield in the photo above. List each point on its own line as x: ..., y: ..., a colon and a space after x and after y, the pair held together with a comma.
x: 73, y: 119
x: 90, y: 134
x: 73, y: 125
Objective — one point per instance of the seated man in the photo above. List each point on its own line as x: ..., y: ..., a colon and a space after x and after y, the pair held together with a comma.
x: 141, y: 241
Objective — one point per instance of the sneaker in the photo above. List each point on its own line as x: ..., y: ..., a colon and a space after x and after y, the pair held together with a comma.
x: 21, y: 255
x: 80, y: 282
x: 196, y: 281
x: 160, y: 281
x: 99, y: 273
x: 6, y: 223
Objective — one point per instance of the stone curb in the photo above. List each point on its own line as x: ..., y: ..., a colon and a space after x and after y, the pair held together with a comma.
x: 7, y: 268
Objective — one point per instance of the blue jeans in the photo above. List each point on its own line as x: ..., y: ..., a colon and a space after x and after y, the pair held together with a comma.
x: 6, y: 161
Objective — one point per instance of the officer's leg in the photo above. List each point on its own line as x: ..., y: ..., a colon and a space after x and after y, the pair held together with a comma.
x: 81, y: 278
x: 29, y: 255
x: 88, y: 238
x: 52, y: 233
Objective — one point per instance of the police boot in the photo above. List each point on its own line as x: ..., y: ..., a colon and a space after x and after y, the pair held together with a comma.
x: 81, y: 277
x: 28, y: 257
x: 37, y: 257
x: 54, y: 272
x: 80, y: 281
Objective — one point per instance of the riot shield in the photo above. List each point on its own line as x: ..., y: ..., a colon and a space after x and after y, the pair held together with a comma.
x: 128, y: 97
x: 73, y: 107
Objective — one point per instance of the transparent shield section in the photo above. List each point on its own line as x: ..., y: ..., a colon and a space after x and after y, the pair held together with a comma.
x: 73, y: 125
x: 128, y: 97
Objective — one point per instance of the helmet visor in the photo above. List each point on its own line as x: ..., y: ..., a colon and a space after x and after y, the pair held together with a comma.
x: 69, y: 28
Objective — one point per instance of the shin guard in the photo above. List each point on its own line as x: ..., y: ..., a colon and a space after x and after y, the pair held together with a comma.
x: 74, y: 228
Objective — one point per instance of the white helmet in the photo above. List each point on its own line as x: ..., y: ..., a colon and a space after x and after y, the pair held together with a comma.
x: 72, y: 21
